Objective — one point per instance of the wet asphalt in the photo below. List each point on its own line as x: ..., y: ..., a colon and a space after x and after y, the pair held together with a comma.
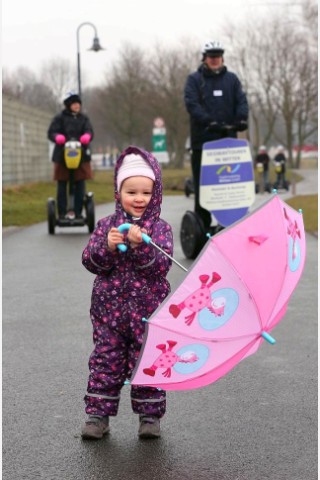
x: 258, y: 422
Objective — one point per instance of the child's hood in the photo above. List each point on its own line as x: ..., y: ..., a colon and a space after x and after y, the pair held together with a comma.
x: 154, y: 208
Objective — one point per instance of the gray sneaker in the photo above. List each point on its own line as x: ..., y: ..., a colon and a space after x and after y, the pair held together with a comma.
x: 95, y: 427
x: 149, y: 426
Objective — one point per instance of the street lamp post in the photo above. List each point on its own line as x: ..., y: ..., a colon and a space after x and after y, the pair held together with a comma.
x: 95, y: 47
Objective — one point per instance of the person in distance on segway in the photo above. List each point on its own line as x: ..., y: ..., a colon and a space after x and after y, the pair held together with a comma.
x: 71, y: 124
x: 263, y: 159
x: 215, y: 102
x: 280, y: 164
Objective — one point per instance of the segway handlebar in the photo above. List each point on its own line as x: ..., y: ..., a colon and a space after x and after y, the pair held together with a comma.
x: 224, y: 128
x: 126, y: 226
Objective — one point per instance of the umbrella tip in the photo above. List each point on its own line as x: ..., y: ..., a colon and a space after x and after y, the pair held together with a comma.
x: 268, y: 337
x: 144, y: 319
x: 300, y: 210
x: 274, y: 190
x: 126, y: 382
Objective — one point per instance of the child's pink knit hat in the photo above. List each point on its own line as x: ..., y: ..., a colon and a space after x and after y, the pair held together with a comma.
x: 133, y: 165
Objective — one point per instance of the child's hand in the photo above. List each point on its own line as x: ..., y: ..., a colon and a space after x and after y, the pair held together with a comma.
x: 114, y: 238
x: 135, y: 235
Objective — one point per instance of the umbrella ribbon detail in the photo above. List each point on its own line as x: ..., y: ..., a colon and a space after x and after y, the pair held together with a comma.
x: 258, y: 239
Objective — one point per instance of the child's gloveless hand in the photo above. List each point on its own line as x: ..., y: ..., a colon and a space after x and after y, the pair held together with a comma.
x: 114, y: 238
x: 135, y: 235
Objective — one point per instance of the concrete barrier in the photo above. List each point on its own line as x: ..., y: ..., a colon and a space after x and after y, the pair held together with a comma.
x: 26, y: 151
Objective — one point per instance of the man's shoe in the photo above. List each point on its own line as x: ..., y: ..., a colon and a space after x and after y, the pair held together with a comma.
x: 149, y: 426
x: 95, y: 427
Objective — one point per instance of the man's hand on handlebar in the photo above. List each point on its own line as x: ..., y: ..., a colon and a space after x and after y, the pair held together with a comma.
x: 220, y: 127
x: 241, y: 125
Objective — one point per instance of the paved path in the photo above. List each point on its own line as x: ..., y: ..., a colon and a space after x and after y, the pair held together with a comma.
x: 259, y: 422
x: 308, y: 186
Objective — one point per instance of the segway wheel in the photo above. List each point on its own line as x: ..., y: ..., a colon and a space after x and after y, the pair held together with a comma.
x: 192, y: 235
x: 51, y: 210
x: 89, y: 206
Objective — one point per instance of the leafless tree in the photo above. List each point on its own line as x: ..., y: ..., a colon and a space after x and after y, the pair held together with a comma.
x: 140, y: 88
x: 122, y: 105
x: 250, y: 57
x: 276, y: 59
x: 309, y: 12
x: 59, y: 75
x: 278, y: 66
x: 296, y: 87
x: 24, y: 85
x: 168, y: 72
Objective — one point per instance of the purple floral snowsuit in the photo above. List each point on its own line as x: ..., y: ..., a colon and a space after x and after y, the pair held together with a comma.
x: 129, y: 286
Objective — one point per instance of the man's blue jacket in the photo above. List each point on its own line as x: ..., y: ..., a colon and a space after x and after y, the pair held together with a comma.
x: 213, y: 97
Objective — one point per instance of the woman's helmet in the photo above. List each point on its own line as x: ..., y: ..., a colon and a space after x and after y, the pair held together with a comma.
x: 213, y: 48
x: 70, y: 98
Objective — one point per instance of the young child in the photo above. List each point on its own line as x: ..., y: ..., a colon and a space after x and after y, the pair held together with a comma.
x: 129, y: 286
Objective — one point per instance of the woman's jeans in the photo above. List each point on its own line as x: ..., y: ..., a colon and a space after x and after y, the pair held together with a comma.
x: 77, y: 192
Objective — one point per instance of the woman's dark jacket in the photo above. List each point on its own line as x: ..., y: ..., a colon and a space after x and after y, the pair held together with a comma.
x: 264, y: 159
x: 213, y: 97
x: 72, y: 126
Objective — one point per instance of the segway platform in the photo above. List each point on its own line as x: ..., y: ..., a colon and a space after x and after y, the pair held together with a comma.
x: 88, y: 220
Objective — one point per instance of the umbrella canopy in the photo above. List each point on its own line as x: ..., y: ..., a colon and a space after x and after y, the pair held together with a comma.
x: 235, y: 293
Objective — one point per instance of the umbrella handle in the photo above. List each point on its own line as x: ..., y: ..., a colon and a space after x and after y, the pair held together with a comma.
x: 147, y: 239
x: 122, y: 228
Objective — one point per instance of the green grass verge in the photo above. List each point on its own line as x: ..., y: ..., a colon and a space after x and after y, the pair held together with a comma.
x: 309, y: 207
x: 25, y: 205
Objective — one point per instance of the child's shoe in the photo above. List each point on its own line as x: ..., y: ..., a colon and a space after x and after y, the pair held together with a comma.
x: 95, y: 427
x: 149, y: 426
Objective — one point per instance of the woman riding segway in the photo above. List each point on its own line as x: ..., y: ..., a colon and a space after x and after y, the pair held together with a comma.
x: 71, y: 125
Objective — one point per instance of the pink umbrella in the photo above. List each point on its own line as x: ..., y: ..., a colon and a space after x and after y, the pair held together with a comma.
x: 235, y: 293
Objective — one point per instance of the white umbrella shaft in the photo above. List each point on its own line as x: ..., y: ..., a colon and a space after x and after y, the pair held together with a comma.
x: 167, y: 255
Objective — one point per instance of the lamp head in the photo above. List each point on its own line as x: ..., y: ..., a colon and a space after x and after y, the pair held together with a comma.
x: 96, y: 45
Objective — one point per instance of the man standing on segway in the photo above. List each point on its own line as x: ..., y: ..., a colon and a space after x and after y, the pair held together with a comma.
x: 262, y: 159
x: 280, y: 165
x: 71, y: 124
x: 215, y: 102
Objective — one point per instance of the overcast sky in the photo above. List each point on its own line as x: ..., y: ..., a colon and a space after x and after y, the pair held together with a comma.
x: 34, y: 31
